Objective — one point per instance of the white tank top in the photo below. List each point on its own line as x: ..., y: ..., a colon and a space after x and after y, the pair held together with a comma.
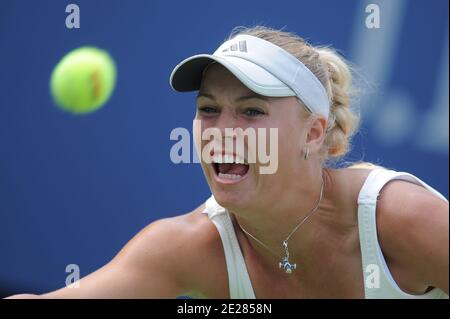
x: 373, y: 262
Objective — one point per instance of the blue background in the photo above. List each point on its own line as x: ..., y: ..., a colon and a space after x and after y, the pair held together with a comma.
x: 74, y: 190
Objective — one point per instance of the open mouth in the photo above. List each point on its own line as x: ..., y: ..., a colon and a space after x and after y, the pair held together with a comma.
x: 229, y: 168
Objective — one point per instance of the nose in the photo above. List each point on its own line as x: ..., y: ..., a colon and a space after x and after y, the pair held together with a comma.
x: 227, y: 120
x: 226, y: 124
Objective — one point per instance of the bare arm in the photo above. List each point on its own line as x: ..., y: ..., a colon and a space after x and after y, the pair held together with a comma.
x: 147, y: 267
x: 414, y: 233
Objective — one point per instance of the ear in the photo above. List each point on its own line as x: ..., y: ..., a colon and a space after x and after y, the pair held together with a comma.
x: 315, y: 134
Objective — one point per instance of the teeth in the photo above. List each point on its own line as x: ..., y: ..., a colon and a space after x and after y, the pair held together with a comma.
x: 217, y: 158
x: 230, y: 176
x: 227, y: 158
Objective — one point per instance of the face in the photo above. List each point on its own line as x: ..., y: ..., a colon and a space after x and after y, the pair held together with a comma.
x: 224, y: 102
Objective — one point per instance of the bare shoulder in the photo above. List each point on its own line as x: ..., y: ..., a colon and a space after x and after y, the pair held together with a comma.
x: 168, y: 258
x: 194, y: 247
x: 412, y: 226
x: 346, y: 184
x: 408, y: 213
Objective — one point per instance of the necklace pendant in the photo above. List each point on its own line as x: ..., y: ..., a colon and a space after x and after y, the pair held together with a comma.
x: 287, y: 266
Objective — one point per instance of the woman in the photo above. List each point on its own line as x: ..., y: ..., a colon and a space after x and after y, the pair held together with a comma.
x: 303, y: 231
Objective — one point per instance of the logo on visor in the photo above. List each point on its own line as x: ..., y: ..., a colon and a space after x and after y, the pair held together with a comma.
x: 241, y: 46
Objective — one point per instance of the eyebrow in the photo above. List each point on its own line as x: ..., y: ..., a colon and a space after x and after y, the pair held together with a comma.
x: 239, y: 99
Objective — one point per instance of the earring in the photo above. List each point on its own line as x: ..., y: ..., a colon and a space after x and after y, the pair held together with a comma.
x: 306, y: 154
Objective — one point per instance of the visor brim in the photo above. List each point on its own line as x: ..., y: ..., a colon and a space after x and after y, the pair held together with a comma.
x: 187, y: 75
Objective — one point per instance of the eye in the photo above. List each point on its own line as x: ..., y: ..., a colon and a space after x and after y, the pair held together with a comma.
x: 253, y: 112
x: 207, y: 109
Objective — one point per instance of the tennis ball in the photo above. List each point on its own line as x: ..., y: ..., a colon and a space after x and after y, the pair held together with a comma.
x: 83, y: 80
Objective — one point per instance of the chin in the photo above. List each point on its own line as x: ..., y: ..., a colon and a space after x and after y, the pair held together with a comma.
x: 232, y: 200
x: 231, y: 182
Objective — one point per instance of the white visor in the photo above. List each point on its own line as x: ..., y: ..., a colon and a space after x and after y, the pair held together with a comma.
x: 261, y: 66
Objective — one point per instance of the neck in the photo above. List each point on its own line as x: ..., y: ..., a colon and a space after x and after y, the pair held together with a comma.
x: 272, y: 224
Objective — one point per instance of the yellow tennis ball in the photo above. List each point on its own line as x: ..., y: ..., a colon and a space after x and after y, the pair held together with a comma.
x: 83, y: 80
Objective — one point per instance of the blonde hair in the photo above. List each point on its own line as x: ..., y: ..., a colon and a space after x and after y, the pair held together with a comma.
x: 335, y: 74
x: 365, y: 165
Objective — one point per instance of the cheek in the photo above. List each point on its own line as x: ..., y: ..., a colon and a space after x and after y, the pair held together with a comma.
x: 197, y: 132
x: 206, y: 138
x: 288, y: 148
x: 198, y: 129
x: 274, y: 149
x: 293, y: 132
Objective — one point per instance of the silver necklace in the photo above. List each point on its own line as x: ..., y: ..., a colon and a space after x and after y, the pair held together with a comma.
x: 284, y: 263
